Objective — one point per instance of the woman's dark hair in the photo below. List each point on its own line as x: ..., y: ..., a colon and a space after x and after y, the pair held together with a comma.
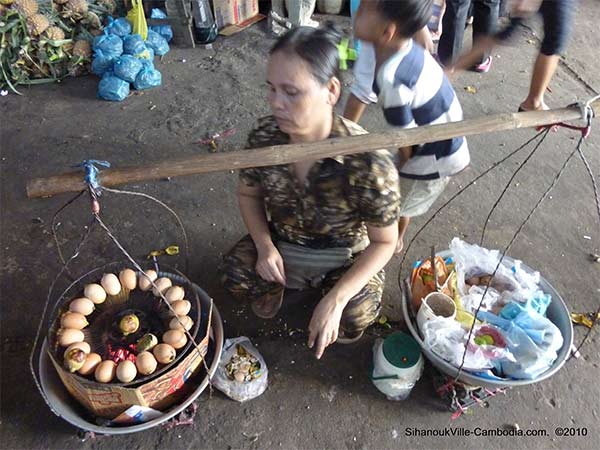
x: 317, y: 47
x: 409, y: 15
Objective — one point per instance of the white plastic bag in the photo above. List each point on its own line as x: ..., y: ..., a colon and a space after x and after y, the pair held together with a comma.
x: 241, y: 390
x: 447, y: 339
x: 511, y: 280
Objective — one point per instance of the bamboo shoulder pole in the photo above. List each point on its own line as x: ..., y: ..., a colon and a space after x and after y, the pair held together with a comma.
x: 285, y: 154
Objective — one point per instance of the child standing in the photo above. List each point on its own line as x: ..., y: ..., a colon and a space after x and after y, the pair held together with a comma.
x: 413, y: 91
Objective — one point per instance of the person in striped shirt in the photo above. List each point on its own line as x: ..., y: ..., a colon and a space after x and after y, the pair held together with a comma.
x: 413, y: 91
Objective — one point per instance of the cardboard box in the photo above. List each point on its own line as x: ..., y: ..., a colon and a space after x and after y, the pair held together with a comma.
x: 109, y: 400
x: 234, y: 12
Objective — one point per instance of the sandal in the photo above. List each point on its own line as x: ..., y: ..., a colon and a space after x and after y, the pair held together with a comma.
x: 267, y: 306
x: 553, y: 128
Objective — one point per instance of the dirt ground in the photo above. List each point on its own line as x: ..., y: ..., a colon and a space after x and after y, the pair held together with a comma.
x: 309, y: 404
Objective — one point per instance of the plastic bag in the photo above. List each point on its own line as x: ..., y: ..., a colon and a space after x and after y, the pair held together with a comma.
x: 241, y: 390
x: 532, y: 339
x: 511, y: 281
x: 127, y: 67
x: 137, y: 19
x: 157, y: 43
x: 113, y: 88
x: 133, y: 44
x: 148, y: 78
x: 119, y: 27
x: 102, y: 63
x: 146, y: 55
x: 447, y: 339
x: 164, y: 30
x: 422, y: 280
x: 110, y: 45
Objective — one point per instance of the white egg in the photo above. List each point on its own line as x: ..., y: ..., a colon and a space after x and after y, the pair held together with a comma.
x: 162, y: 284
x: 181, y: 323
x: 82, y: 305
x: 144, y: 282
x: 174, y: 294
x: 95, y: 293
x: 110, y: 283
x: 128, y: 279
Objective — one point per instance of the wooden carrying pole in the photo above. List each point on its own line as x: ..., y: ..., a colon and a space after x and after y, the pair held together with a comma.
x: 285, y: 154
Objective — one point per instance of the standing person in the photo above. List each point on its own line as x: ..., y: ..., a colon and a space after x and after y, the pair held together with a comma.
x: 329, y: 223
x: 413, y: 91
x: 558, y: 18
x: 485, y: 19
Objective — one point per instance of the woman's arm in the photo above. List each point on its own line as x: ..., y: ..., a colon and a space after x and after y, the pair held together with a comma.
x: 325, y: 321
x: 269, y: 264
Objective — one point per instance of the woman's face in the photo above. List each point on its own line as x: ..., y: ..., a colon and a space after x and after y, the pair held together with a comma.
x: 298, y: 101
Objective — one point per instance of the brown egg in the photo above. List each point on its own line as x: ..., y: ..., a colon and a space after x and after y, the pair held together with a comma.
x: 128, y: 279
x: 68, y: 336
x: 126, y: 371
x: 146, y: 363
x: 181, y: 323
x: 95, y: 293
x: 80, y: 345
x: 181, y: 307
x: 175, y: 338
x: 164, y: 353
x: 82, y: 305
x: 75, y: 320
x: 90, y: 364
x: 174, y: 294
x: 144, y: 283
x: 105, y: 371
x: 162, y: 284
x: 110, y: 283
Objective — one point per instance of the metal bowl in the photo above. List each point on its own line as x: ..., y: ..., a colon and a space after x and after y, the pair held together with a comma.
x: 557, y: 312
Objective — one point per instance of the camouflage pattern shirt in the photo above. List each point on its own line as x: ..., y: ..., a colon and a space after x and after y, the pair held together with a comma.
x: 340, y: 196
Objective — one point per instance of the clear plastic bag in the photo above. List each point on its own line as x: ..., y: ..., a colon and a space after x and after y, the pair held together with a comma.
x: 241, y: 391
x: 157, y: 43
x: 113, y: 88
x: 127, y: 68
x: 148, y: 78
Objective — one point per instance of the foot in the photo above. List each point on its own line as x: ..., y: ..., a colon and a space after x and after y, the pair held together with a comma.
x: 349, y: 339
x: 267, y: 306
x: 485, y: 66
x: 528, y: 105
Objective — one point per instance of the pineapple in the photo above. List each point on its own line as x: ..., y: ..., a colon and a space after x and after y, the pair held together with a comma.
x: 109, y: 5
x: 93, y: 20
x: 75, y: 9
x: 83, y: 49
x: 26, y: 7
x: 55, y: 33
x: 37, y: 24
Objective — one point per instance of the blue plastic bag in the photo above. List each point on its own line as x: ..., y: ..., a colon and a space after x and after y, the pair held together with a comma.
x: 110, y: 45
x: 102, y: 63
x: 148, y: 78
x: 164, y: 30
x: 112, y: 88
x: 533, y: 341
x: 133, y: 44
x: 127, y: 67
x: 157, y: 43
x: 119, y: 27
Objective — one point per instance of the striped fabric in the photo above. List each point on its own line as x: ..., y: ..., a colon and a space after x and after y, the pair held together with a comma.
x: 414, y: 91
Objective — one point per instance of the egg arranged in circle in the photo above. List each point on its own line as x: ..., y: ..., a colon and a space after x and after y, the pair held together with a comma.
x: 95, y: 293
x: 146, y: 278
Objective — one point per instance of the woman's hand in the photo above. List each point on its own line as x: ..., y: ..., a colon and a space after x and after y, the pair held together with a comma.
x: 325, y: 324
x: 269, y: 264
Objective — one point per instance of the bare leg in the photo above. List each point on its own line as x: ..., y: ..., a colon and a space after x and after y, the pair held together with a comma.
x: 402, y: 226
x: 354, y: 109
x: 543, y: 70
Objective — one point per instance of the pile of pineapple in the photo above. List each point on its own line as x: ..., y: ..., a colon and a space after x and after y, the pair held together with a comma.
x: 47, y: 40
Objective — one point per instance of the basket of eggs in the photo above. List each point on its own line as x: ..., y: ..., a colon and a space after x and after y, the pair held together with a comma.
x: 119, y: 337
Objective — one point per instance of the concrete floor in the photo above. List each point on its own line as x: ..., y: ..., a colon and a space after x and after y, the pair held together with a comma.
x: 309, y: 404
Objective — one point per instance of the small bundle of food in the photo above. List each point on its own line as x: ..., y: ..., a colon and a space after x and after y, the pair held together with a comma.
x: 243, y: 366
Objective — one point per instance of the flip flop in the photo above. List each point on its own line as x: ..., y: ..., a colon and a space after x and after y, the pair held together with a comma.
x: 267, y: 306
